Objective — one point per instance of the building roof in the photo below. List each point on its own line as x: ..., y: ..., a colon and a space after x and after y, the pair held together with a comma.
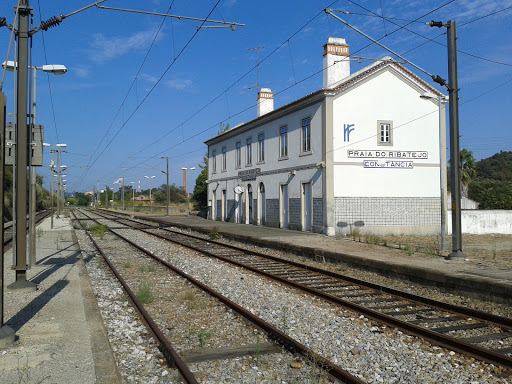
x: 339, y: 87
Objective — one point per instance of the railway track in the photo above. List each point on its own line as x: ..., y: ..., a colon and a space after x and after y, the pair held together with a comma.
x: 173, y: 358
x: 8, y: 229
x: 478, y: 334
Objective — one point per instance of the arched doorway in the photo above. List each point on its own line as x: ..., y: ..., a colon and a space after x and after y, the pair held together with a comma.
x: 214, y: 206
x: 249, y: 204
x: 261, y: 205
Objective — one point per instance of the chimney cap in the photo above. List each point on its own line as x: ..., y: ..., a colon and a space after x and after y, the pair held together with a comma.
x: 267, y: 90
x: 336, y: 41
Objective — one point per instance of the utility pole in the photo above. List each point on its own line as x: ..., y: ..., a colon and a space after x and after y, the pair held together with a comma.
x: 453, y: 89
x: 58, y: 183
x: 52, y: 166
x: 21, y: 282
x: 122, y: 190
x: 7, y: 334
x: 168, y: 192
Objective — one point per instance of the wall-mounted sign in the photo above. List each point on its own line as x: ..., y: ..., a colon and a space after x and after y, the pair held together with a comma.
x: 249, y: 174
x: 382, y: 154
x: 388, y: 164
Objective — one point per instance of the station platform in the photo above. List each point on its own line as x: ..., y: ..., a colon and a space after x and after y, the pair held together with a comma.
x: 57, y: 329
x: 478, y: 275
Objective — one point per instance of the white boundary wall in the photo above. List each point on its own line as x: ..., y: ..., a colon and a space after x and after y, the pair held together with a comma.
x: 482, y: 222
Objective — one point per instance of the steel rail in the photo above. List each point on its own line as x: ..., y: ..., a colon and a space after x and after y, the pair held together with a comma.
x: 489, y: 317
x: 164, y: 346
x: 434, y: 337
x: 283, y: 339
x: 498, y: 320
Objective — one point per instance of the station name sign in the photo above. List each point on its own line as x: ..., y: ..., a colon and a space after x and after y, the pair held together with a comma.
x: 388, y: 164
x: 249, y: 174
x: 379, y: 154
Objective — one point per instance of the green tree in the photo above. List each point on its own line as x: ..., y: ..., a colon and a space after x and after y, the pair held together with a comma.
x: 468, y: 170
x: 200, y: 195
x: 491, y: 194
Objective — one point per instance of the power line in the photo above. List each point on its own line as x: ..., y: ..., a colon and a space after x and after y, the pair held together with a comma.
x: 133, y: 82
x: 432, y: 40
x: 284, y: 90
x: 48, y: 77
x: 232, y: 85
x: 252, y: 106
x: 150, y: 91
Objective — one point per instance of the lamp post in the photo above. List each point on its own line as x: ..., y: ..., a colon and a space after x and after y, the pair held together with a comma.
x: 168, y: 192
x: 133, y: 195
x: 150, y: 201
x: 442, y: 161
x: 56, y: 70
x: 62, y: 185
x: 52, y: 166
x: 58, y: 175
x: 185, y: 186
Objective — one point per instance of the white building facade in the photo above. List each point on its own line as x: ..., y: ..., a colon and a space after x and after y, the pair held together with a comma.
x: 363, y: 152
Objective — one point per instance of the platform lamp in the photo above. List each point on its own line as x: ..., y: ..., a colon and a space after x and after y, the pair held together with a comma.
x: 133, y: 195
x: 56, y: 69
x: 52, y: 168
x: 150, y: 201
x: 185, y: 170
x: 442, y: 161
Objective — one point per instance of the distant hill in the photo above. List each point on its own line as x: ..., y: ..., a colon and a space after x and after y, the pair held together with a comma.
x: 497, y: 167
x: 492, y: 186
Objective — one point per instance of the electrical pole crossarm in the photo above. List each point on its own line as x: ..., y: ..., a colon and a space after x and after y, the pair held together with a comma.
x: 436, y: 78
x: 228, y: 23
x: 56, y: 20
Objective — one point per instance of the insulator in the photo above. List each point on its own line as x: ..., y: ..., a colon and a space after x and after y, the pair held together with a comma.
x: 3, y: 22
x: 52, y: 22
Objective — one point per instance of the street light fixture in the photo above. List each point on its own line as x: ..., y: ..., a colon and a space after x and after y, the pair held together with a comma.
x: 168, y: 191
x: 133, y: 195
x: 52, y: 166
x: 56, y: 69
x: 150, y: 201
x: 442, y: 161
x: 188, y: 195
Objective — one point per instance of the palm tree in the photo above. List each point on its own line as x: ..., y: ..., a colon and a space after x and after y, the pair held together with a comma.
x: 468, y: 170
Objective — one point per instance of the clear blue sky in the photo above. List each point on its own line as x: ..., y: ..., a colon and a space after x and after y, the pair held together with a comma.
x: 116, y: 127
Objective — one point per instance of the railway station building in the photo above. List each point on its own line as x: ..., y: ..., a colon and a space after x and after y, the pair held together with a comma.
x: 361, y: 152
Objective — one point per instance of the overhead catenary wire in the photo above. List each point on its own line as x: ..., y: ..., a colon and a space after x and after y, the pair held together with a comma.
x: 264, y: 59
x: 134, y: 83
x: 149, y: 92
x: 10, y: 44
x: 433, y: 39
x: 236, y: 114
x: 48, y: 78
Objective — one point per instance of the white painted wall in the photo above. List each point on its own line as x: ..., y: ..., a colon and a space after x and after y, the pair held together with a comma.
x: 415, y: 128
x: 483, y: 222
x: 272, y: 161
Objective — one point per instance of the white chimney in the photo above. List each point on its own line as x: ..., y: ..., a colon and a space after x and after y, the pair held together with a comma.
x: 336, y: 61
x: 265, y: 101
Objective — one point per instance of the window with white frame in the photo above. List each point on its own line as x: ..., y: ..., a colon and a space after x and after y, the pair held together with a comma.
x: 283, y: 141
x: 224, y: 152
x: 306, y: 135
x: 384, y: 132
x: 261, y: 147
x: 214, y: 161
x: 248, y: 151
x: 238, y: 156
